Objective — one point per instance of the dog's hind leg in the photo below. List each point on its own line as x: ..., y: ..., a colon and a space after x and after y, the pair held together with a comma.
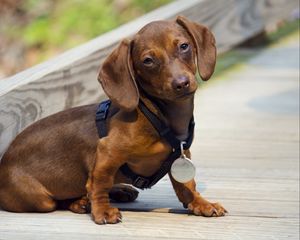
x: 123, y: 193
x: 81, y: 205
x: 20, y: 192
x: 119, y: 193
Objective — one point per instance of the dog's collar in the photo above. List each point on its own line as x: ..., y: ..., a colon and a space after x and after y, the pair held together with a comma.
x: 163, y: 130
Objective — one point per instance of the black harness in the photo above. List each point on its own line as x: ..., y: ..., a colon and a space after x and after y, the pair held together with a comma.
x: 164, y: 132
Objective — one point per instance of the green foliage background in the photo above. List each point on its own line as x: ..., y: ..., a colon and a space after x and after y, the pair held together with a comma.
x: 64, y: 24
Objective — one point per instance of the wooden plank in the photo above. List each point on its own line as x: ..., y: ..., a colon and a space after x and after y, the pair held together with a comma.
x: 143, y: 225
x: 70, y: 79
x: 243, y: 196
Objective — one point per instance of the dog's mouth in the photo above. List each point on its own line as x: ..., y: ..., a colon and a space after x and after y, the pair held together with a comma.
x: 187, y: 94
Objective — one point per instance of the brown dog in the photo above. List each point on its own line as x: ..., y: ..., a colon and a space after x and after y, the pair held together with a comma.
x: 61, y: 157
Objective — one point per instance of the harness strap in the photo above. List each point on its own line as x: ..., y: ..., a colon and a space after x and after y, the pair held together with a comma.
x: 164, y: 132
x: 101, y: 115
x: 143, y: 182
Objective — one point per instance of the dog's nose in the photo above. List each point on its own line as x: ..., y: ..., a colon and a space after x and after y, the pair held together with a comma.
x: 180, y: 83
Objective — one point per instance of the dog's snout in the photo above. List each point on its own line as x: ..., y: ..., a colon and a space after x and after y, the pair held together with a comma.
x: 180, y: 83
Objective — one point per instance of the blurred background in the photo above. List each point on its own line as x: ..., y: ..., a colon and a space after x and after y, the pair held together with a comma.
x: 34, y: 30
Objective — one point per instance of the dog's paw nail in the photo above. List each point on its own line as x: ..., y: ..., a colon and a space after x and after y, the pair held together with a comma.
x: 215, y: 212
x: 119, y: 219
x: 100, y: 221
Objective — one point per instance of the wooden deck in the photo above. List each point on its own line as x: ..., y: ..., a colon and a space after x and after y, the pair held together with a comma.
x: 247, y: 154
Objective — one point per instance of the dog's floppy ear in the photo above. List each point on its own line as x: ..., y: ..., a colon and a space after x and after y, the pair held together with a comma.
x: 205, y: 46
x: 117, y: 79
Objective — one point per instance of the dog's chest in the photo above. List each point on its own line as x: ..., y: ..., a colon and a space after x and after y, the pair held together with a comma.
x: 149, y: 159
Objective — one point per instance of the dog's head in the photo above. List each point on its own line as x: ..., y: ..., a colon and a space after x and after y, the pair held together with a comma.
x: 161, y: 60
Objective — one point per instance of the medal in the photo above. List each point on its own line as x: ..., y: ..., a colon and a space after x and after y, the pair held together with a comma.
x: 183, y: 170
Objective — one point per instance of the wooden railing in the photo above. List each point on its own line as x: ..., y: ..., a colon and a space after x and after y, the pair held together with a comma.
x: 69, y: 79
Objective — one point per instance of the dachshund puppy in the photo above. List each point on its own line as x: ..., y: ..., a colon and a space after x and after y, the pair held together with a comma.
x: 62, y: 159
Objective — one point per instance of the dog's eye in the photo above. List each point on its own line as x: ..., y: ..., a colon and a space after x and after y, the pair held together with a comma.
x: 148, y: 61
x: 184, y: 47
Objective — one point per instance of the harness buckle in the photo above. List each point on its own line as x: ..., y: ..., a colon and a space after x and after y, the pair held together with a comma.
x: 141, y: 182
x: 102, y: 110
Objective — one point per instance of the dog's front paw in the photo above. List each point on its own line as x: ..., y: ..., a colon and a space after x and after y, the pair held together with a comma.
x: 106, y: 215
x: 207, y: 209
